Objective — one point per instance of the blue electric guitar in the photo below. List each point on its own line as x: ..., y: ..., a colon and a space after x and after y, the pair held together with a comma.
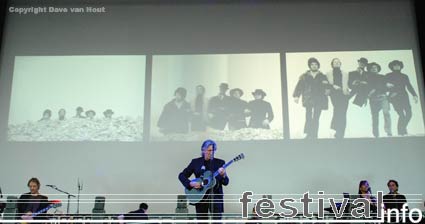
x: 207, y: 182
x: 53, y: 204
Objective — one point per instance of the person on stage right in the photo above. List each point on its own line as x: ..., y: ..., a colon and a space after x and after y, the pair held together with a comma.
x: 394, y: 200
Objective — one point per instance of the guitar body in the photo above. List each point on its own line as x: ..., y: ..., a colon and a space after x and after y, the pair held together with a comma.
x: 207, y: 182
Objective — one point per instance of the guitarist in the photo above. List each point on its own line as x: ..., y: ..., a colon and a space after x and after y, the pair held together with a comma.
x: 197, y: 167
x: 32, y: 201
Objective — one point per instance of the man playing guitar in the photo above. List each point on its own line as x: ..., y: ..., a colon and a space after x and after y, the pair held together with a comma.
x: 32, y: 201
x: 198, y: 166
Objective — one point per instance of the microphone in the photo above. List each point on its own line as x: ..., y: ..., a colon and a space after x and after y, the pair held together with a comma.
x: 1, y: 193
x: 49, y: 185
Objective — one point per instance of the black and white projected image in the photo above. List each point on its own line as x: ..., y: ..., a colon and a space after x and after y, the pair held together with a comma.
x: 77, y: 98
x: 218, y: 96
x: 356, y: 94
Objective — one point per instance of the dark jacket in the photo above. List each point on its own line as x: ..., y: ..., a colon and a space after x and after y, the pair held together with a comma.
x: 359, y: 89
x: 24, y: 204
x: 174, y: 119
x: 401, y: 82
x: 377, y: 85
x: 194, y: 167
x: 260, y: 110
x: 218, y: 106
x: 138, y: 214
x: 313, y: 90
x: 237, y: 113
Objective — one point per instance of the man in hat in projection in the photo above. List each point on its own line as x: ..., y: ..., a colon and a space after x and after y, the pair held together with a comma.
x: 397, y: 83
x: 261, y: 111
x: 357, y: 82
x: 378, y: 99
x: 176, y: 114
x: 238, y: 110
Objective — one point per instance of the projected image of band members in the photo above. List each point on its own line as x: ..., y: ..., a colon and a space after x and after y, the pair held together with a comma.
x: 312, y: 86
x: 199, y: 108
x: 378, y: 99
x: 260, y: 111
x: 218, y: 108
x: 176, y: 114
x: 397, y: 83
x: 339, y: 94
x: 238, y: 110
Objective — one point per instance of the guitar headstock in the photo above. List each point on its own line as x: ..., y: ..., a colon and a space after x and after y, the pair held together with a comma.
x: 239, y: 157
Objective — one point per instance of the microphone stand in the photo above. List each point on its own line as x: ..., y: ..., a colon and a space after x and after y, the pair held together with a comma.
x: 68, y: 194
x: 80, y: 188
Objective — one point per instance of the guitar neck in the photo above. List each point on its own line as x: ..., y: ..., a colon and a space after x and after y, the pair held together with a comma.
x: 224, y: 166
x: 42, y: 210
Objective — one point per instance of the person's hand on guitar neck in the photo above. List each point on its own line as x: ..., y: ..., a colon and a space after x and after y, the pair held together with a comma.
x: 222, y: 171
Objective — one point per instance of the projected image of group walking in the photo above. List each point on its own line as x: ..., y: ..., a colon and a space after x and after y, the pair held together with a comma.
x: 350, y: 93
x: 224, y: 111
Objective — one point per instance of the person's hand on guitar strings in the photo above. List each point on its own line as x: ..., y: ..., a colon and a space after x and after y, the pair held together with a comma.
x: 195, y: 184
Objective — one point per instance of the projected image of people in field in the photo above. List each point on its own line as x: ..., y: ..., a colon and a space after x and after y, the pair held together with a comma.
x: 77, y: 98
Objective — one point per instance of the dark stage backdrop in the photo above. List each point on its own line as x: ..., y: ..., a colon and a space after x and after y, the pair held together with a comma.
x: 124, y: 64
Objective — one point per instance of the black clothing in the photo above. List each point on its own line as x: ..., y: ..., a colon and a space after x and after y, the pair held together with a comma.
x: 138, y: 214
x: 237, y: 113
x: 396, y: 201
x: 312, y: 117
x: 174, y: 119
x: 29, y: 203
x: 340, y: 105
x: 359, y: 89
x: 198, y: 121
x: 339, y: 118
x: 314, y: 99
x: 195, y: 167
x: 377, y: 84
x: 337, y: 75
x: 260, y: 111
x: 378, y: 101
x: 218, y: 107
x: 399, y: 98
x: 313, y: 90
